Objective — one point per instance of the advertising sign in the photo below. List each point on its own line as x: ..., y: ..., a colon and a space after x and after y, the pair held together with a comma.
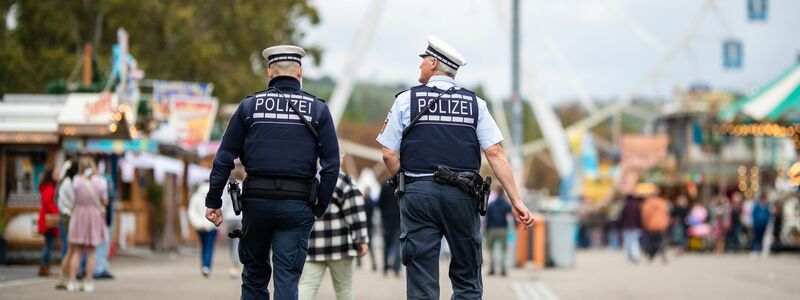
x: 193, y: 119
x: 164, y: 91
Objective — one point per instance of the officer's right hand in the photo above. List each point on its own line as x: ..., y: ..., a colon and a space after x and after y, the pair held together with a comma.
x: 214, y: 215
x: 522, y: 214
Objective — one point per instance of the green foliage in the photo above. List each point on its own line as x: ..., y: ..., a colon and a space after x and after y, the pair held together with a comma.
x: 217, y: 41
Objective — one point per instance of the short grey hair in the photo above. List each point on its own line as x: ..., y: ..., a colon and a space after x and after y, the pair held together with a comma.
x: 443, y: 68
x: 282, y: 68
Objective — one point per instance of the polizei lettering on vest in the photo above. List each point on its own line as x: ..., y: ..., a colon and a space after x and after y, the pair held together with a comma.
x: 273, y: 106
x: 447, y: 106
x: 281, y: 105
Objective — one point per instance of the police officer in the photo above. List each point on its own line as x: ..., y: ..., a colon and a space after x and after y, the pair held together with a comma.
x: 454, y: 128
x: 279, y: 134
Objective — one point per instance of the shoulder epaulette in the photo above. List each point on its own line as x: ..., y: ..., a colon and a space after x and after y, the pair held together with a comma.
x: 313, y: 96
x: 465, y: 89
x: 400, y: 92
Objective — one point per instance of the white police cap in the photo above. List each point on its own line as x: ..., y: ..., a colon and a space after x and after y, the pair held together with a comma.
x: 283, y: 53
x: 443, y: 52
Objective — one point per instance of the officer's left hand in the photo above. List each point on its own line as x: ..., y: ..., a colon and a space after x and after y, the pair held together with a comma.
x: 363, y: 249
x: 214, y: 215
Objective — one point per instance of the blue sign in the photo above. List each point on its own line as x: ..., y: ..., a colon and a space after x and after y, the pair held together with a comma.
x: 732, y: 54
x: 757, y: 10
x: 110, y: 146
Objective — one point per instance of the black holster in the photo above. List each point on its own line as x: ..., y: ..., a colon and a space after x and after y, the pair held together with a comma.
x: 398, y: 182
x: 470, y: 182
x: 236, y: 196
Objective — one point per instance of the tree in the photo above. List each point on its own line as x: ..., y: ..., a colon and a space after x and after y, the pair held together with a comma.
x: 215, y: 41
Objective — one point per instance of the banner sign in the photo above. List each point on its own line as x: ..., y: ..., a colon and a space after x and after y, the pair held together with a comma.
x: 193, y: 119
x: 164, y: 91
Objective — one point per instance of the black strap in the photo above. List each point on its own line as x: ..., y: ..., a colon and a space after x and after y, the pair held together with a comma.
x: 302, y: 117
x: 426, y: 110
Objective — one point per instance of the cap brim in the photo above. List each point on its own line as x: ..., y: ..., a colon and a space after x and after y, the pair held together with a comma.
x: 424, y: 55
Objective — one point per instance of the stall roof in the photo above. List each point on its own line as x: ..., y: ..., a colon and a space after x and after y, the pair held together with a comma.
x: 771, y: 102
x: 95, y: 115
x: 26, y: 119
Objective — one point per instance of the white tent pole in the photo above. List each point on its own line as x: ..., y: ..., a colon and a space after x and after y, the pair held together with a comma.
x: 344, y: 85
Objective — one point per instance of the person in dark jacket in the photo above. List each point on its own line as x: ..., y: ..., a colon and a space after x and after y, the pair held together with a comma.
x: 497, y: 228
x: 631, y: 223
x: 390, y: 225
x: 761, y: 215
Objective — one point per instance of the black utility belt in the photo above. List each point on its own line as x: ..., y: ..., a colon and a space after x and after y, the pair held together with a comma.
x: 277, y: 187
x: 411, y: 179
x: 469, y: 181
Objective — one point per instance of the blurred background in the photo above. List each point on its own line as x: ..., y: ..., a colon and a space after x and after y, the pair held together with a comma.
x: 657, y: 141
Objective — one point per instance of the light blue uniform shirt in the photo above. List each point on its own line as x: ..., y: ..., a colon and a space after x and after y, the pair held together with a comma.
x: 400, y: 116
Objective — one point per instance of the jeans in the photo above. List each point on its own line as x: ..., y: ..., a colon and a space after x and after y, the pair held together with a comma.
x: 101, y: 258
x: 49, y: 242
x: 391, y: 249
x: 283, y: 228
x: 758, y: 237
x: 732, y: 238
x: 630, y: 240
x: 341, y: 275
x: 207, y: 246
x: 428, y: 212
x: 63, y: 229
x: 493, y: 236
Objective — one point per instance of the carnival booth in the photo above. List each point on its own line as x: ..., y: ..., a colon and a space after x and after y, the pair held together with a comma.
x: 29, y: 144
x: 768, y: 123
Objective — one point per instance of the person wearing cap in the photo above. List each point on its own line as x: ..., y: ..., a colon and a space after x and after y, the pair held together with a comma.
x: 280, y: 135
x: 445, y: 115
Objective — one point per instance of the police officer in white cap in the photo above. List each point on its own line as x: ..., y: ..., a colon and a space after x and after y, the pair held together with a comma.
x: 280, y: 135
x: 434, y: 135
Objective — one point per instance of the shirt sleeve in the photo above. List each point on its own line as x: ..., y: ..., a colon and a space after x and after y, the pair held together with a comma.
x: 397, y: 120
x: 229, y: 149
x: 487, y: 130
x: 66, y: 196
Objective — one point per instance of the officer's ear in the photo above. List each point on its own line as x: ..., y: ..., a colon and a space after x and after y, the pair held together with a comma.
x: 434, y: 62
x: 299, y: 73
x: 270, y: 73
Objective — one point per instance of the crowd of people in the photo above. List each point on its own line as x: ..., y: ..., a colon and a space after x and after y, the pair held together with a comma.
x: 75, y: 207
x: 649, y: 220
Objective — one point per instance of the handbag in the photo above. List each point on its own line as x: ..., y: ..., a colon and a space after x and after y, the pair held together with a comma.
x: 51, y: 221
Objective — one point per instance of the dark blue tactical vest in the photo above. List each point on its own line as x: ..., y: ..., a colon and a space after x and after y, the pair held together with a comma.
x: 277, y: 142
x: 445, y: 135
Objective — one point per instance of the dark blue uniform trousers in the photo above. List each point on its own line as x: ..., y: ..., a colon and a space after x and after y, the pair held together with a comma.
x: 280, y: 226
x: 428, y: 211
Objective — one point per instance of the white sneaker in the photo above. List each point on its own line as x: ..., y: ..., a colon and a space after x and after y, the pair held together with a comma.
x: 234, y: 272
x: 88, y: 287
x: 72, y: 287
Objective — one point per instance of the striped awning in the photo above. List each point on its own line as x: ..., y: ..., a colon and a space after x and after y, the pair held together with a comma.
x: 770, y: 103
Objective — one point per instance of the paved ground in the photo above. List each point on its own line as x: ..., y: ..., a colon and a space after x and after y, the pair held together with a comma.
x: 597, y: 275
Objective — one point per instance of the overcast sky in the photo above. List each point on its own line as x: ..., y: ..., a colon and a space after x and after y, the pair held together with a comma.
x: 603, y: 47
